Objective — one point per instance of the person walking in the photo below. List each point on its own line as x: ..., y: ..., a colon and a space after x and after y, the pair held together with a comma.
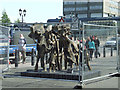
x: 22, y: 48
x: 97, y: 44
x: 86, y: 44
x: 91, y: 47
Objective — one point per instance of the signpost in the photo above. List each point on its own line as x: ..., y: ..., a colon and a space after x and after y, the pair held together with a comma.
x: 62, y: 19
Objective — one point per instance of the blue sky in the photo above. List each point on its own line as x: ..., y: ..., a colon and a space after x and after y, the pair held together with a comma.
x: 37, y: 10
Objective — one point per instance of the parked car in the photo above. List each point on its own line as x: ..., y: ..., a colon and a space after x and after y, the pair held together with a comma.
x: 112, y: 42
x: 28, y: 49
x: 12, y: 48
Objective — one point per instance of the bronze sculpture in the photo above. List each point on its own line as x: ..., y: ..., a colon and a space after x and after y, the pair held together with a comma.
x: 54, y: 42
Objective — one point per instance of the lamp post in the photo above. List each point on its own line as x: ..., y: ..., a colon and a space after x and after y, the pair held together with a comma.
x: 22, y: 13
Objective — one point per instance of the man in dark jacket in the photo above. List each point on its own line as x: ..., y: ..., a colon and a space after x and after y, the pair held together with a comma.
x: 97, y: 44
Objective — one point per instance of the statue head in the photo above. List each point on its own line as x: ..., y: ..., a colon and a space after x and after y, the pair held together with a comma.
x: 37, y: 31
x: 49, y: 28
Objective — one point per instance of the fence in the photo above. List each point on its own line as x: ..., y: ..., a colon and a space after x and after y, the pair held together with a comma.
x: 105, y: 56
x: 4, y: 47
x: 79, y: 64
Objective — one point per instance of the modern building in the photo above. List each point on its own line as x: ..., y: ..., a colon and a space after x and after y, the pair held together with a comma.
x: 91, y: 8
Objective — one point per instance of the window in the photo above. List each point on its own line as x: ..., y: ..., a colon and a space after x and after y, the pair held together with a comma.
x: 95, y: 0
x: 66, y: 3
x: 82, y: 2
x: 69, y: 9
x: 81, y: 8
x: 96, y: 14
x: 95, y: 7
x: 113, y: 2
x: 82, y: 15
x: 113, y: 9
x: 118, y: 10
x: 67, y: 16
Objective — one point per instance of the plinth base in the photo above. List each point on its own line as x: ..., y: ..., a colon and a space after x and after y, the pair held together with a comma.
x: 61, y: 74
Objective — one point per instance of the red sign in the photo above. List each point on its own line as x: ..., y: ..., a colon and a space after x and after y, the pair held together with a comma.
x: 61, y: 20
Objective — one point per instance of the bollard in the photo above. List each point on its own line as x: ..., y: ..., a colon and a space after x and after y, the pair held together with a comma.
x: 16, y: 57
x: 111, y: 51
x: 104, y: 51
x: 32, y: 57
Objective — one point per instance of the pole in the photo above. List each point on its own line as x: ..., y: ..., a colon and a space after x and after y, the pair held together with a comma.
x: 79, y: 53
x: 16, y: 58
x: 118, y: 58
x: 32, y: 57
x: 82, y: 76
x: 104, y: 51
x: 8, y: 50
x: 22, y: 21
x: 111, y: 51
x: 81, y: 64
x: 80, y: 83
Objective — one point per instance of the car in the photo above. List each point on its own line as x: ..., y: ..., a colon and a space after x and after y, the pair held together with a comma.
x: 12, y: 48
x: 112, y: 42
x: 28, y: 49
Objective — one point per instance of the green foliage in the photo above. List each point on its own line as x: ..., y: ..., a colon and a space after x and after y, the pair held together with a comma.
x: 17, y: 21
x: 5, y: 19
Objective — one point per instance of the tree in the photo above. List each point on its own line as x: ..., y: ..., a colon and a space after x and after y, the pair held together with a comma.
x: 17, y: 21
x: 5, y: 19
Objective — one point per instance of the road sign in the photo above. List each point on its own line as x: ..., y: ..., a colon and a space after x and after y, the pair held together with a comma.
x: 62, y: 19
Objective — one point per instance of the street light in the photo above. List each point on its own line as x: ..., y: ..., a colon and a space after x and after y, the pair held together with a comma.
x: 22, y: 13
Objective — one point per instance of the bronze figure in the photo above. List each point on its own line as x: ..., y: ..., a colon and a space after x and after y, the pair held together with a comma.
x: 54, y: 43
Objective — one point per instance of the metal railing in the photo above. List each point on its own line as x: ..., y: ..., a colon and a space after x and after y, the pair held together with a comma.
x: 4, y: 44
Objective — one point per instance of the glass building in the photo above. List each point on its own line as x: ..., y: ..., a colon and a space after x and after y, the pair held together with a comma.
x: 91, y: 8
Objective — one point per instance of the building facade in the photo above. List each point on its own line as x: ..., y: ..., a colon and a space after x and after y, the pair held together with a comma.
x: 91, y: 8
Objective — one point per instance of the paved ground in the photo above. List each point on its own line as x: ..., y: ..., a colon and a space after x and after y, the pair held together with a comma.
x: 53, y: 83
x: 106, y: 65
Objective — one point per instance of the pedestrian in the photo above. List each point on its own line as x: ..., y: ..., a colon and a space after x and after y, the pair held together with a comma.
x: 86, y: 44
x: 93, y: 37
x: 97, y: 44
x: 22, y: 48
x: 91, y: 48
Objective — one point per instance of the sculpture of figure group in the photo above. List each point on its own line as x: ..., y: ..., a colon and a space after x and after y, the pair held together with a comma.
x: 54, y: 43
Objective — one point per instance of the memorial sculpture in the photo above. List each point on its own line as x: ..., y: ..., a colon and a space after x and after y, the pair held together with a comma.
x: 54, y: 42
x: 37, y: 33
